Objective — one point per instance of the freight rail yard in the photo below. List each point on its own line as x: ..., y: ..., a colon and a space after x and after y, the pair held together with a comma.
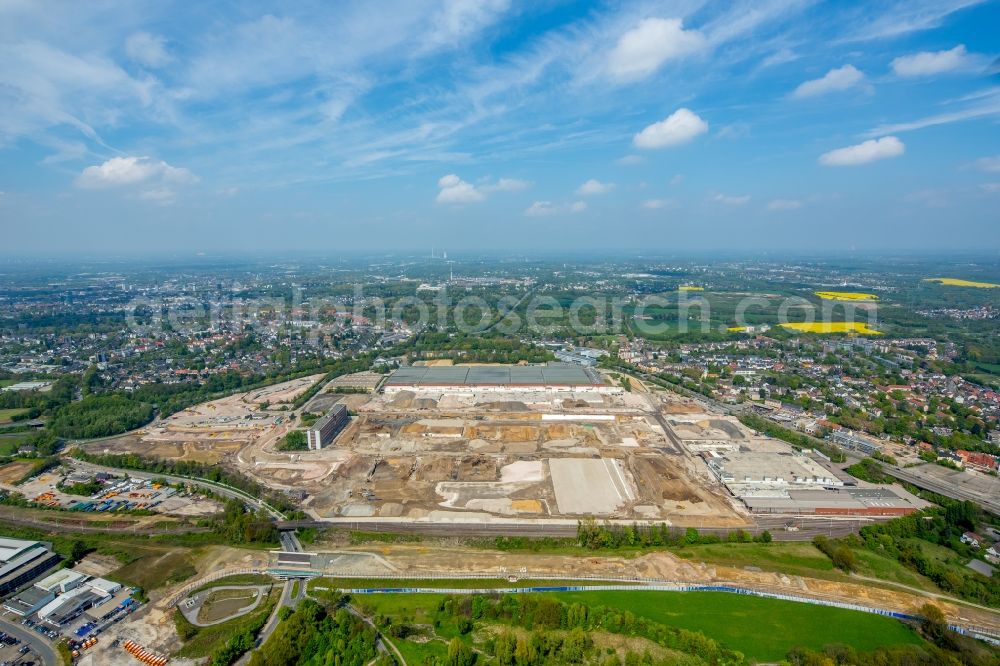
x: 503, y: 444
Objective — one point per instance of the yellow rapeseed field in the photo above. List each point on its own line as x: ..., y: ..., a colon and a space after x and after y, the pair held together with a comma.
x: 956, y: 282
x: 690, y: 287
x: 737, y: 329
x: 832, y: 327
x: 856, y: 296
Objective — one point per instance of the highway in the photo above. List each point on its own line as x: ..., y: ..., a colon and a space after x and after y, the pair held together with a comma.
x: 39, y: 645
x: 991, y: 504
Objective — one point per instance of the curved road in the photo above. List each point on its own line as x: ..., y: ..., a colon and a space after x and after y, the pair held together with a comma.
x: 40, y: 646
x: 217, y: 488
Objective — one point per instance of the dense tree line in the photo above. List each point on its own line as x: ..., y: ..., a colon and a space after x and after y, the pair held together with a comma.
x: 100, y: 416
x: 612, y: 536
x: 898, y: 539
x: 238, y: 525
x: 311, y: 636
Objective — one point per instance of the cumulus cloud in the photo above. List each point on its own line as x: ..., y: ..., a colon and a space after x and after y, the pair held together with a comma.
x: 730, y: 200
x: 842, y: 78
x: 547, y: 208
x: 119, y: 171
x: 146, y: 49
x: 784, y: 204
x: 593, y: 186
x: 456, y: 190
x: 862, y: 153
x: 988, y: 163
x: 642, y: 50
x: 928, y: 63
x: 679, y: 127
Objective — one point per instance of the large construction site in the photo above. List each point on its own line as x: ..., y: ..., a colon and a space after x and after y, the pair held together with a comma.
x: 470, y: 444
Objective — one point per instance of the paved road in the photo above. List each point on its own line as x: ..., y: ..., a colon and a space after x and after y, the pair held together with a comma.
x: 991, y: 504
x: 216, y: 488
x: 40, y: 646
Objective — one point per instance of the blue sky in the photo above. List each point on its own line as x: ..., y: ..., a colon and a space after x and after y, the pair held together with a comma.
x: 488, y: 124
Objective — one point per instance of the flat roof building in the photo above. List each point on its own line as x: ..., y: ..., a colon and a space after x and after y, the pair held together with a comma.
x: 29, y: 601
x: 327, y: 428
x: 482, y: 378
x: 21, y: 562
x: 62, y: 581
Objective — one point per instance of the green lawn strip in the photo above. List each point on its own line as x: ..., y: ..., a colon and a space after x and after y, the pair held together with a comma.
x: 874, y: 565
x: 764, y: 629
x: 236, y: 579
x: 453, y: 583
x: 7, y: 415
x: 801, y: 558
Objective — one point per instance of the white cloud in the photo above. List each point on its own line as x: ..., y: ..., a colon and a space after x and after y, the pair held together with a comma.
x: 928, y: 63
x: 457, y: 20
x: 732, y: 200
x: 456, y: 190
x: 681, y: 126
x: 510, y: 185
x: 990, y: 106
x: 593, y: 186
x: 119, y: 171
x: 991, y: 188
x: 656, y: 204
x: 988, y: 163
x: 781, y: 57
x: 862, y: 153
x: 147, y: 49
x: 642, y: 50
x: 784, y: 204
x: 677, y: 179
x: 547, y: 208
x: 630, y: 160
x: 836, y: 80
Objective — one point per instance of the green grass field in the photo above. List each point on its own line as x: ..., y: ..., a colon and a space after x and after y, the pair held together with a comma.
x: 763, y: 629
x: 452, y: 583
x: 789, y: 557
x: 7, y: 415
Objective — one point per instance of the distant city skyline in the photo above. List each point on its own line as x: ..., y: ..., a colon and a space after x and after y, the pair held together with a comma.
x: 487, y: 125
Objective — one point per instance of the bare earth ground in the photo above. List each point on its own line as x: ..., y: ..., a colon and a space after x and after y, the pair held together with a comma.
x: 416, y: 454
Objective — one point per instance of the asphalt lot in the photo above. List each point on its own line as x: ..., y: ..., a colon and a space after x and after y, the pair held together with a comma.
x: 41, y: 649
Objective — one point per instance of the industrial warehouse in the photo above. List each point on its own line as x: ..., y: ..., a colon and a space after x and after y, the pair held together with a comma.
x: 499, y: 378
